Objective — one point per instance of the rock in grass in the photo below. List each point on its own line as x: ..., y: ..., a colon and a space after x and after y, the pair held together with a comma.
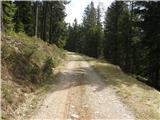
x: 75, y: 116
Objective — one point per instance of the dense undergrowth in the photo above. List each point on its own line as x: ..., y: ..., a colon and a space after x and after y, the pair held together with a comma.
x: 27, y: 65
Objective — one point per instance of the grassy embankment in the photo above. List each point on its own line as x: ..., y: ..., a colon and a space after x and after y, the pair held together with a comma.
x: 26, y: 72
x: 142, y: 99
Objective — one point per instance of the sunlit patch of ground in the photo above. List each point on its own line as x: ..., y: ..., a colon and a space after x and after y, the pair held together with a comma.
x: 142, y: 99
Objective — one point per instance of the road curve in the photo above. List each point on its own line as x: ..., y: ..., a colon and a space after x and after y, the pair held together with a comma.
x: 80, y: 94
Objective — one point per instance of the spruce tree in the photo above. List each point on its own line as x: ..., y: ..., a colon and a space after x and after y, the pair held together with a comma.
x: 99, y: 33
x: 8, y: 12
x: 58, y: 30
x: 89, y: 24
x: 111, y: 42
x: 24, y: 17
x: 73, y: 37
x: 150, y: 25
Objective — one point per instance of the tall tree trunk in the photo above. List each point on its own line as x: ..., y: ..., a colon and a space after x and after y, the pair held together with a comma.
x: 115, y: 54
x: 36, y: 26
x: 129, y: 42
x: 50, y: 28
x: 1, y: 8
x: 129, y: 54
x: 44, y: 19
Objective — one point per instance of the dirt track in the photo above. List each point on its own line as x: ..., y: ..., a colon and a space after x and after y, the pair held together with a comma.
x: 81, y: 94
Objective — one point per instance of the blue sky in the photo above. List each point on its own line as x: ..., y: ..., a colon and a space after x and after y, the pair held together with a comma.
x: 75, y: 8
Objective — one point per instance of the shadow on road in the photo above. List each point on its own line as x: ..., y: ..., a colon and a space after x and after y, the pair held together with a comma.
x: 81, y: 76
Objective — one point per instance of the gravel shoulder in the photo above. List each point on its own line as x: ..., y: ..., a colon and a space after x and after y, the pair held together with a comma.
x: 81, y: 94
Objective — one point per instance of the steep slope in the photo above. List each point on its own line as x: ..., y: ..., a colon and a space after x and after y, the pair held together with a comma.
x: 27, y: 66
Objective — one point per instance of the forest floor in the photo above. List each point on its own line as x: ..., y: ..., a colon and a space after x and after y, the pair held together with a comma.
x: 81, y: 94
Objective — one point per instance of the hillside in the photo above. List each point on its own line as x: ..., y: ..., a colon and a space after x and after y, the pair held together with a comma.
x: 27, y: 69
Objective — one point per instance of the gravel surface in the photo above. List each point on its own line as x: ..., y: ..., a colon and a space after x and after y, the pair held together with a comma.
x: 81, y: 94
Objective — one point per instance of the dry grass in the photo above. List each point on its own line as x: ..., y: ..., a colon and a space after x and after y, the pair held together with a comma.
x: 143, y: 100
x: 23, y: 74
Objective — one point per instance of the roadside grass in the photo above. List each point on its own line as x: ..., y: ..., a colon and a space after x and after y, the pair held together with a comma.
x: 28, y: 66
x: 143, y: 100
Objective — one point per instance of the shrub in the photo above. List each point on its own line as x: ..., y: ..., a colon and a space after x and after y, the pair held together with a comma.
x: 46, y: 72
x: 49, y: 64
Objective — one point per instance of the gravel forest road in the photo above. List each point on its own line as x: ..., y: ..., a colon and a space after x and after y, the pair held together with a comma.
x: 81, y: 94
